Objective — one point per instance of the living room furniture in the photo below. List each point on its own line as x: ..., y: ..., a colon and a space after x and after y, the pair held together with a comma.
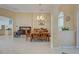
x: 25, y: 29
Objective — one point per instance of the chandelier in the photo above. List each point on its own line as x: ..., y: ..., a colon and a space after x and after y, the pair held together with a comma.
x: 40, y: 17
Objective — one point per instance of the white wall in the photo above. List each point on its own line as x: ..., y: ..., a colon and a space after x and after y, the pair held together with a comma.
x: 54, y: 27
x: 66, y: 39
x: 77, y: 33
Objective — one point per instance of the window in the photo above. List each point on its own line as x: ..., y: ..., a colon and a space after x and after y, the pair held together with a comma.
x: 61, y: 21
x: 10, y: 22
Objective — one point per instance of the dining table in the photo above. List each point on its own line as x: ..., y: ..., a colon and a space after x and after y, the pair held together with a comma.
x: 40, y: 36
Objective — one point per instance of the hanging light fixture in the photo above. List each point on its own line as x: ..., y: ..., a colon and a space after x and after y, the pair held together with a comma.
x: 40, y: 17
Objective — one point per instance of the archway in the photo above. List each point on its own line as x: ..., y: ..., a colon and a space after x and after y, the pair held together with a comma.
x: 6, y: 26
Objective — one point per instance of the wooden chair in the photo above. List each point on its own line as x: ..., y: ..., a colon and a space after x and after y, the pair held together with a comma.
x: 34, y: 36
x: 44, y: 36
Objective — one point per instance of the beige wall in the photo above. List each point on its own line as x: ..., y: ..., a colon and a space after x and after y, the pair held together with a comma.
x: 7, y: 13
x: 24, y: 19
x: 47, y: 21
x: 69, y: 10
x: 29, y: 19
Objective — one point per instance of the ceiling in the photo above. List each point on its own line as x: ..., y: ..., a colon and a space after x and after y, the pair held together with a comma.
x: 28, y: 7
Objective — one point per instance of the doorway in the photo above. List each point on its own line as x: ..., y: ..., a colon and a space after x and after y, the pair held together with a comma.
x: 6, y: 26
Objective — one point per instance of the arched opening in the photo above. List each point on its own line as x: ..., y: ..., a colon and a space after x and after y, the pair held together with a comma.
x: 6, y: 26
x: 61, y: 21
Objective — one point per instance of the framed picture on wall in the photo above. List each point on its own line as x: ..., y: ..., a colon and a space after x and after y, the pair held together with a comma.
x: 68, y: 18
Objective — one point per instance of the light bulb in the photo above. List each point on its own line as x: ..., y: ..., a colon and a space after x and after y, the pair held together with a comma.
x: 41, y: 17
x: 38, y: 18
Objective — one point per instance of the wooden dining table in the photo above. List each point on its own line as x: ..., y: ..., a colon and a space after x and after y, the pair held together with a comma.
x: 40, y: 36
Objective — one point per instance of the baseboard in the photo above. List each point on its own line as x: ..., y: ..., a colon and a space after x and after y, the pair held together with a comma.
x: 66, y: 47
x: 69, y: 47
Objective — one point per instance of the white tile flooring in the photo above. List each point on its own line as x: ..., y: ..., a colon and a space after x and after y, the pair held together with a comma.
x: 9, y: 45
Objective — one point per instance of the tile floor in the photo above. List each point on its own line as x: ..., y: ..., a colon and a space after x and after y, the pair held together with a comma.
x: 9, y: 45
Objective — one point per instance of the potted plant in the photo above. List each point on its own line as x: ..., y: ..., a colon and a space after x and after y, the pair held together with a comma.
x: 65, y: 28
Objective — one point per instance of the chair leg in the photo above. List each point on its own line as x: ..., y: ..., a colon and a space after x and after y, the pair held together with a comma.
x: 31, y: 39
x: 48, y: 39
